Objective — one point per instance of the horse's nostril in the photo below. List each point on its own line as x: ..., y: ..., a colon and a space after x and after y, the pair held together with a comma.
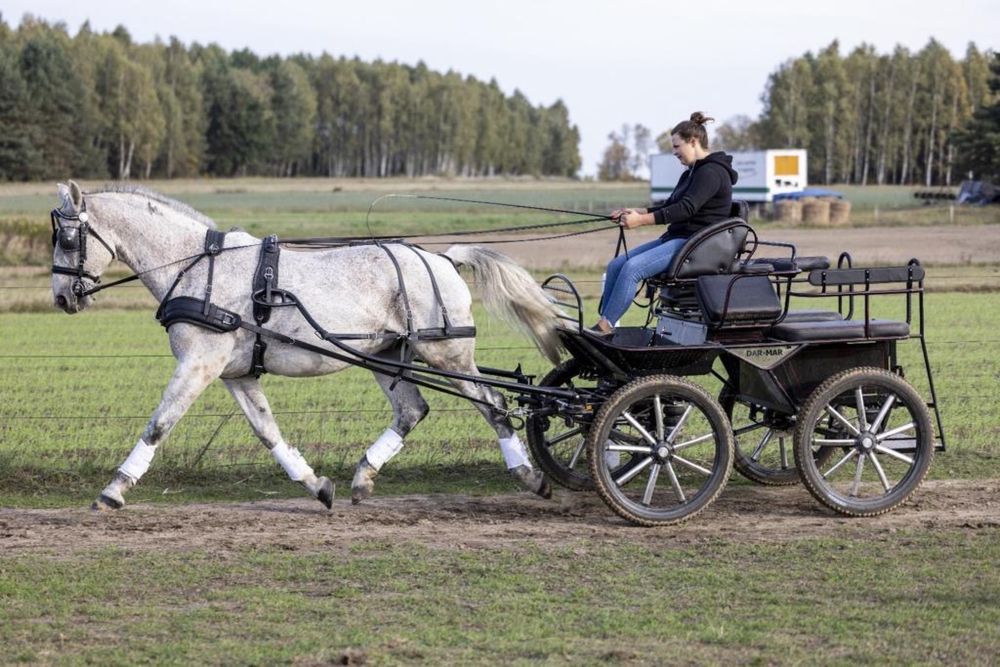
x: 61, y: 301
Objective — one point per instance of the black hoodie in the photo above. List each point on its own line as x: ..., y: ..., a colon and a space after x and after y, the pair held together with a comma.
x: 703, y: 195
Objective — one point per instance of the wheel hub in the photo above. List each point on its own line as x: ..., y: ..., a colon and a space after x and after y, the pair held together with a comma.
x: 662, y: 452
x: 866, y: 442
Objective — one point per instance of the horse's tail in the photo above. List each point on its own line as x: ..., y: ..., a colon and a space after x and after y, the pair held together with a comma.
x: 510, y: 291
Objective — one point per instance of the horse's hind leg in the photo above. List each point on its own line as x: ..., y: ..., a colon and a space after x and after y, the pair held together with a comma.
x: 457, y: 355
x: 249, y: 396
x: 408, y: 408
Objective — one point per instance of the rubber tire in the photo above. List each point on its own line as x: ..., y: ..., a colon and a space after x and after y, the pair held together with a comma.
x: 605, y: 420
x: 575, y: 480
x: 812, y: 411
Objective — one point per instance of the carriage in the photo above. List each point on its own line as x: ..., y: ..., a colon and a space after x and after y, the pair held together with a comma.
x: 628, y: 415
x: 816, y: 394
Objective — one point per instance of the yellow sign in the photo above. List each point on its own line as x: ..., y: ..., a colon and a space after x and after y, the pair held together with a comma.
x: 786, y: 165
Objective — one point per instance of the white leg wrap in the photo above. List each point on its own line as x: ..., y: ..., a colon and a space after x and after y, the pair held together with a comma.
x: 514, y: 452
x: 291, y: 460
x: 138, y: 461
x: 613, y: 459
x: 383, y: 449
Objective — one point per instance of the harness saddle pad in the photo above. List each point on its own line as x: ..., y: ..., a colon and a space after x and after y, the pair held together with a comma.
x: 192, y: 311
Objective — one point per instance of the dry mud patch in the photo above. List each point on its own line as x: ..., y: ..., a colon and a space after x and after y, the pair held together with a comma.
x: 743, y: 514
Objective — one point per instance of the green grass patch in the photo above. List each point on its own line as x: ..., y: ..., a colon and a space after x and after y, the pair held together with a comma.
x: 908, y: 597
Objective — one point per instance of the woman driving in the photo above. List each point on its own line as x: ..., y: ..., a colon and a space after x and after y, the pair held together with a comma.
x: 703, y: 196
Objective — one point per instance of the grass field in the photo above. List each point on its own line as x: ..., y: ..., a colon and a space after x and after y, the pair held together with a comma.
x: 482, y: 578
x: 891, y: 599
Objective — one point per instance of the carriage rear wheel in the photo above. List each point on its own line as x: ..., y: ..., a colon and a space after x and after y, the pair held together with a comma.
x: 557, y: 442
x: 879, y: 431
x: 763, y: 442
x: 680, y: 444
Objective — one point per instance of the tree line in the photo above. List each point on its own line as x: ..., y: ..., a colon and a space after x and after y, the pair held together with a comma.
x: 867, y: 118
x: 99, y: 105
x: 894, y: 118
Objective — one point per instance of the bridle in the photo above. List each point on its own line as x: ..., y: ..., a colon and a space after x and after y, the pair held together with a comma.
x: 73, y: 238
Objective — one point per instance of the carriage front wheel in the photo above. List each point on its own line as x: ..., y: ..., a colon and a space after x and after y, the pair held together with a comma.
x: 558, y: 442
x: 679, y: 444
x: 879, y: 430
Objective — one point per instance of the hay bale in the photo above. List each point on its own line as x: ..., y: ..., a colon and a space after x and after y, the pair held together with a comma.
x: 816, y: 212
x: 788, y: 210
x: 840, y: 213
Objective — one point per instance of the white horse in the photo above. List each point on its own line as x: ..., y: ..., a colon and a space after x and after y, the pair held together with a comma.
x: 349, y: 289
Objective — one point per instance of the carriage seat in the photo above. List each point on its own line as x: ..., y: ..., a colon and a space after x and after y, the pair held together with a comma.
x: 797, y: 332
x: 714, y: 250
x: 737, y: 300
x: 752, y: 300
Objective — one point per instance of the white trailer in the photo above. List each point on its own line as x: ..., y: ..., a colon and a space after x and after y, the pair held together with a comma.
x: 763, y: 174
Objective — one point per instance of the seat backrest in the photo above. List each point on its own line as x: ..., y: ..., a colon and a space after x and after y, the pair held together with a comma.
x: 713, y: 249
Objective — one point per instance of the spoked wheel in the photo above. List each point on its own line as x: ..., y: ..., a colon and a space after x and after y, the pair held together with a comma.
x: 879, y: 432
x: 763, y: 444
x: 680, y: 446
x: 558, y: 443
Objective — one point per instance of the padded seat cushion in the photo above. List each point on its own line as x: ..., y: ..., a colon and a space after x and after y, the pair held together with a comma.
x: 811, y: 316
x: 788, y: 264
x: 839, y: 330
x: 751, y: 299
x: 812, y: 263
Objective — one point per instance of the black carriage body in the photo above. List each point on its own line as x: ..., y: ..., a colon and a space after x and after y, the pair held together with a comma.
x: 635, y: 352
x: 781, y: 376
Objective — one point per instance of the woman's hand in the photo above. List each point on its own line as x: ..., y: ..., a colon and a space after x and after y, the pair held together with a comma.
x: 616, y: 215
x: 633, y: 218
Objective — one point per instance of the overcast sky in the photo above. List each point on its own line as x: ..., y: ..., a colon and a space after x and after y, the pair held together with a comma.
x: 628, y: 61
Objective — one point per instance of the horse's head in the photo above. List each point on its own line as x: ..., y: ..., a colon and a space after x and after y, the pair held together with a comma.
x: 77, y: 260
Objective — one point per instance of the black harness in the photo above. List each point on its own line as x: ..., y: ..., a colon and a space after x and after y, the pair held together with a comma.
x: 267, y: 295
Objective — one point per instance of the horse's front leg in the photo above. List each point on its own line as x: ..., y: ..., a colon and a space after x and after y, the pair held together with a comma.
x: 248, y: 394
x: 194, y: 372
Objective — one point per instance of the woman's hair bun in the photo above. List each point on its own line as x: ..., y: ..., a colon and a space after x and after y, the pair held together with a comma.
x: 700, y: 118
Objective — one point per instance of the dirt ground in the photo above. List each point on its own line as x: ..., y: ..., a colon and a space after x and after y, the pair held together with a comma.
x: 747, y: 514
x: 973, y: 244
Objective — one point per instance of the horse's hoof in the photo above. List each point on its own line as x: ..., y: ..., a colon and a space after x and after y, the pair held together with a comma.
x: 326, y: 491
x: 532, y: 480
x: 545, y: 489
x: 364, y: 482
x: 106, y: 503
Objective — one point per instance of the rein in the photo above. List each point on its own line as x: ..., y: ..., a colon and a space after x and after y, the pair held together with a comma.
x: 74, y: 239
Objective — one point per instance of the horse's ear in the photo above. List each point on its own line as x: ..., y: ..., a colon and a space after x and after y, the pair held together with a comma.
x: 77, y: 195
x: 65, y: 198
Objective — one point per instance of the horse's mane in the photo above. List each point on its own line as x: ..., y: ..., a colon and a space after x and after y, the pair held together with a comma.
x: 179, y: 206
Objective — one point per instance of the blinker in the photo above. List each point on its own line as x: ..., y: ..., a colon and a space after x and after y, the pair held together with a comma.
x: 69, y: 238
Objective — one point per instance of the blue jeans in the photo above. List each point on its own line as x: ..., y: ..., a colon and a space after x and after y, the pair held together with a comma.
x: 623, y: 275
